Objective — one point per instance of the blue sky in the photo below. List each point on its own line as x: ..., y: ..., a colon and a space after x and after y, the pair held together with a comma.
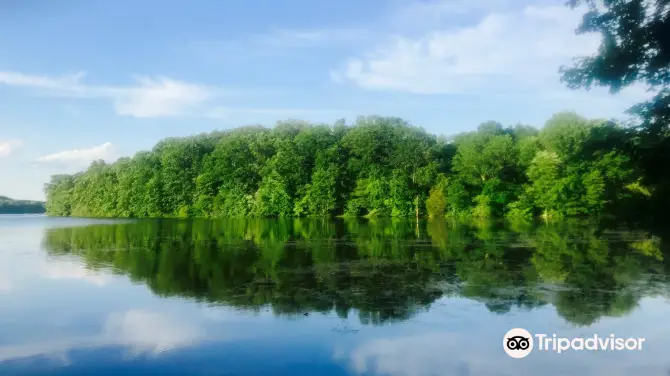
x: 82, y: 80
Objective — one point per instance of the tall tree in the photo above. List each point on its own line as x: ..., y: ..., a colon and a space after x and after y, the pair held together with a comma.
x: 635, y: 48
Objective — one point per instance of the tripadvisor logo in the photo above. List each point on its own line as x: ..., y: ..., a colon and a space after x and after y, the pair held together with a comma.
x: 518, y: 343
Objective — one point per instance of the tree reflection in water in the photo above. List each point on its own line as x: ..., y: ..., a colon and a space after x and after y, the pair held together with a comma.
x: 382, y: 270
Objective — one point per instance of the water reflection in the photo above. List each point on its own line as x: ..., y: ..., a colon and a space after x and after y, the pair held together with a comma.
x: 382, y: 271
x: 306, y: 297
x: 140, y: 331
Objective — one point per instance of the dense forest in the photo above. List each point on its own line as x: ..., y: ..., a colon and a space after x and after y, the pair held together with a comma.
x: 382, y: 270
x: 376, y: 167
x: 383, y: 166
x: 10, y: 206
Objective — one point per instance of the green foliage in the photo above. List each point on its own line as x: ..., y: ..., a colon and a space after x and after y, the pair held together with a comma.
x: 527, y: 148
x: 482, y: 208
x: 384, y: 270
x: 378, y: 167
x: 565, y: 134
x: 373, y: 195
x: 458, y: 198
x: 401, y: 198
x: 10, y: 206
x: 522, y: 209
x: 233, y: 202
x: 271, y: 199
x: 59, y: 192
x: 634, y: 50
x: 594, y: 185
x: 319, y: 198
x: 483, y: 155
x: 545, y: 186
x: 436, y: 203
x: 638, y: 188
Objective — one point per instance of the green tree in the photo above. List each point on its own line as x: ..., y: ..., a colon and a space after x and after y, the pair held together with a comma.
x: 545, y: 182
x: 271, y: 199
x: 436, y: 203
x: 377, y: 167
x: 320, y: 195
x: 565, y: 134
x: 634, y: 48
x: 483, y: 156
x: 59, y: 192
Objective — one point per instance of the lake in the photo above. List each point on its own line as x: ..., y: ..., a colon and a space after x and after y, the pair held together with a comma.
x: 326, y: 297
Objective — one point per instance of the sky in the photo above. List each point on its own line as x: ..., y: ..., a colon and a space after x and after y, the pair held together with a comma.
x: 95, y: 79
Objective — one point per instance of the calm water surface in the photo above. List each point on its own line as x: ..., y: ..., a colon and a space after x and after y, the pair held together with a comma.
x: 319, y: 297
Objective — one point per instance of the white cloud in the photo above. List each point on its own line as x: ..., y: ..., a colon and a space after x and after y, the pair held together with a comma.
x: 142, y: 332
x: 503, y: 49
x: 276, y: 42
x: 481, y: 353
x: 161, y: 96
x: 432, y: 14
x: 515, y: 53
x: 8, y: 147
x: 149, y: 97
x: 151, y: 332
x: 290, y: 38
x: 57, y: 269
x: 69, y: 82
x: 420, y: 355
x: 80, y: 157
x: 232, y: 112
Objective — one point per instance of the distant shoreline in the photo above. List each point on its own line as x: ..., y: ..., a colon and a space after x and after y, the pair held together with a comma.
x: 11, y: 206
x: 24, y: 214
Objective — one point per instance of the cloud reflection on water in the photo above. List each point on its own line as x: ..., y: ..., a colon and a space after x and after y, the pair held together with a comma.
x: 140, y: 331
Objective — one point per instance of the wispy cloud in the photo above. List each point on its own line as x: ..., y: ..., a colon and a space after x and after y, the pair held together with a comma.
x: 251, y: 112
x: 55, y: 269
x: 512, y: 52
x: 69, y: 82
x: 80, y: 157
x: 8, y: 147
x: 287, y: 38
x: 502, y: 51
x: 152, y: 332
x: 431, y: 14
x: 277, y: 42
x: 160, y: 96
x: 143, y: 332
x: 478, y: 351
x: 148, y: 97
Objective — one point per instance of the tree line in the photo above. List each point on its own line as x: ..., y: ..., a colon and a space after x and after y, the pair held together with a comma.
x: 386, y: 270
x: 11, y: 206
x: 378, y: 166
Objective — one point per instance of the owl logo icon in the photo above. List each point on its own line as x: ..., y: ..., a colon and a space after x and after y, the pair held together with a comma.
x: 518, y: 343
